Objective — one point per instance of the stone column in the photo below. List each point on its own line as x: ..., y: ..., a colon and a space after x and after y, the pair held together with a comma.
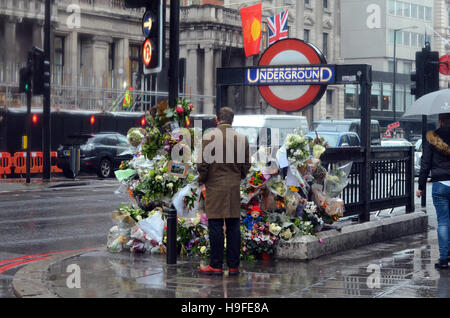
x: 209, y: 81
x: 299, y: 18
x: 191, y: 74
x: 122, y: 51
x: 38, y: 34
x: 10, y: 49
x: 71, y: 65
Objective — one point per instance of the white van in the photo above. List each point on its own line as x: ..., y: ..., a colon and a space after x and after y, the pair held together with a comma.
x: 259, y: 127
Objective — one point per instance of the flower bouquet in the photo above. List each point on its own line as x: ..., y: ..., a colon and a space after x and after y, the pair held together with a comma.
x: 297, y: 148
x: 135, y: 136
x: 260, y: 240
x: 337, y: 179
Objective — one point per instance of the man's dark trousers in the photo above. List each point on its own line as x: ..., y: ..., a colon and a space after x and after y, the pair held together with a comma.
x: 216, y: 239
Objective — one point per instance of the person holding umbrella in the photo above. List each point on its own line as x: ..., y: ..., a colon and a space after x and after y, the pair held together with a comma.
x: 436, y: 158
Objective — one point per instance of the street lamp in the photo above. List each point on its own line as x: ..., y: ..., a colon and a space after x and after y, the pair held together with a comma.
x: 395, y: 65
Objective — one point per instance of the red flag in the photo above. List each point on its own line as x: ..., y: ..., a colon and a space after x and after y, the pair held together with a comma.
x: 251, y: 28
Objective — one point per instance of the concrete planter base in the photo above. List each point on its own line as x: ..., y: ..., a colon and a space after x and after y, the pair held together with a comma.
x: 352, y: 236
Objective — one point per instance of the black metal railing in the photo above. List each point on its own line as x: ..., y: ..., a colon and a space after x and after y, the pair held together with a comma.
x: 391, y: 182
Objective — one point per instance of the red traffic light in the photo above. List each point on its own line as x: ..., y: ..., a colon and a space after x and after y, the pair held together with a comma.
x: 34, y: 118
x: 92, y: 120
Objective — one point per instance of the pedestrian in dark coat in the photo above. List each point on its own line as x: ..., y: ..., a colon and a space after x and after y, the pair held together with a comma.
x: 225, y: 161
x: 436, y: 158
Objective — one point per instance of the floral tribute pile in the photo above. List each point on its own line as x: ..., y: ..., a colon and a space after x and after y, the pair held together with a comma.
x: 281, y: 198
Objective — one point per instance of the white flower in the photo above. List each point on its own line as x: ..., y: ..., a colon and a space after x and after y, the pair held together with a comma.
x: 139, y: 217
x: 287, y: 234
x: 170, y: 185
x: 203, y: 249
x: 159, y: 178
x: 196, y: 221
x: 274, y: 229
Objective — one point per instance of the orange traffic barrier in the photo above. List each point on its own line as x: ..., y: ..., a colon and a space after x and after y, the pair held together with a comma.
x: 37, y: 162
x: 5, y: 163
x: 20, y: 162
x: 54, y: 167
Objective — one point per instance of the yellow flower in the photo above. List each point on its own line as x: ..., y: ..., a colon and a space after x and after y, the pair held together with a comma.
x: 293, y: 189
x: 203, y: 249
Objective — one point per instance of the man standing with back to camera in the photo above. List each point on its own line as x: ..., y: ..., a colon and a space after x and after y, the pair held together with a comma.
x: 225, y: 161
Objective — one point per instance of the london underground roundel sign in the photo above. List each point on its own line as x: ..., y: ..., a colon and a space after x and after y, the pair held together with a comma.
x: 292, y: 97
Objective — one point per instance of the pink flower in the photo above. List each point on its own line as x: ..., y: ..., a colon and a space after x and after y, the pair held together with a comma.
x: 320, y: 240
x: 244, y: 249
x: 180, y: 110
x: 167, y: 148
x: 191, y: 106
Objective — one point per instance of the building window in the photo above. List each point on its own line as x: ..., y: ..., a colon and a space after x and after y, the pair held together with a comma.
x: 350, y: 96
x: 406, y: 10
x: 407, y: 38
x: 387, y: 97
x: 375, y: 98
x: 428, y: 14
x: 111, y: 57
x: 414, y: 11
x: 391, y: 66
x: 421, y: 12
x: 391, y: 7
x: 399, y: 8
x: 329, y: 97
x: 407, y: 67
x: 325, y: 44
x: 306, y: 34
x: 58, y: 60
x: 307, y: 4
x: 399, y: 98
x: 325, y: 4
x: 135, y: 55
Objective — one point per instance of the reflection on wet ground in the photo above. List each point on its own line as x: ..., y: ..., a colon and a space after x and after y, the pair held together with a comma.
x: 399, y: 268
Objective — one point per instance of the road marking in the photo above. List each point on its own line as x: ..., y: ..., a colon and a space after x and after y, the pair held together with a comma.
x: 12, y: 265
x: 35, y: 257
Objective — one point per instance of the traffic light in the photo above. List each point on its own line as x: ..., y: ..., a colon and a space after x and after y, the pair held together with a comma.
x: 38, y: 81
x: 417, y: 78
x: 426, y: 77
x: 153, y: 29
x: 25, y: 74
x: 431, y: 72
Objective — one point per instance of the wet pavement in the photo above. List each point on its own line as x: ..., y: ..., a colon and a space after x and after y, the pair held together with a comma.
x: 398, y: 268
x: 405, y: 267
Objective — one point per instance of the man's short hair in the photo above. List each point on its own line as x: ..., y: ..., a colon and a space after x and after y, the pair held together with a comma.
x: 445, y: 119
x: 226, y: 115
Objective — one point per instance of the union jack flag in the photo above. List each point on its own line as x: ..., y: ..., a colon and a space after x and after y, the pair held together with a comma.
x: 278, y: 27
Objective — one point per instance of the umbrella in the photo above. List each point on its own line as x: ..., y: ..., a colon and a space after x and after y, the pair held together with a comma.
x: 431, y: 104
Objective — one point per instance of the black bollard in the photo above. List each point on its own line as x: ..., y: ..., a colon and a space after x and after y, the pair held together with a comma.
x: 171, y: 235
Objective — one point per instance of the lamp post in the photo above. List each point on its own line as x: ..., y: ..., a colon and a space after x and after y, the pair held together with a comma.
x: 395, y: 66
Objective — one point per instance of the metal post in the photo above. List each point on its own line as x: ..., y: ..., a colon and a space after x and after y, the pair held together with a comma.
x: 28, y: 135
x: 395, y: 73
x: 174, y: 51
x: 364, y: 177
x: 410, y: 206
x: 423, y: 201
x: 46, y: 132
x: 173, y: 98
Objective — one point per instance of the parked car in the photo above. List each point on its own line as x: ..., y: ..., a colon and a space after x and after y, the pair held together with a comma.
x: 259, y: 129
x: 337, y: 139
x: 345, y: 125
x: 101, y: 153
x: 395, y: 142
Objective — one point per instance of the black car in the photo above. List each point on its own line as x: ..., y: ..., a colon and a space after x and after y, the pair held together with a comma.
x: 101, y: 153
